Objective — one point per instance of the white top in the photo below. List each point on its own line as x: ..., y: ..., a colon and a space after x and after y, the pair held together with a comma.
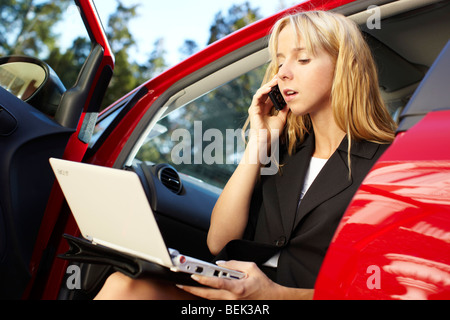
x: 315, y: 166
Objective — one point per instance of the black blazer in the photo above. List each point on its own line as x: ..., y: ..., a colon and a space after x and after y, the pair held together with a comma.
x: 303, y: 233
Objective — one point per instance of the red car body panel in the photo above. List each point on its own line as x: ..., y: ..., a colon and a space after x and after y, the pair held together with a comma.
x: 394, y: 240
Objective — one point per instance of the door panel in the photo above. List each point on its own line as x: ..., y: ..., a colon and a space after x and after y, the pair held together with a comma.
x: 25, y: 183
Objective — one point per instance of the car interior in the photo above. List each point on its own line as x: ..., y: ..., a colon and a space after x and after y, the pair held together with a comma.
x: 37, y: 116
x: 183, y: 193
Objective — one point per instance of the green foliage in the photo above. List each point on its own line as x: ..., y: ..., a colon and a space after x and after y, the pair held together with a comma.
x: 31, y: 27
x: 26, y: 26
x: 127, y: 74
x: 189, y: 48
x: 238, y: 17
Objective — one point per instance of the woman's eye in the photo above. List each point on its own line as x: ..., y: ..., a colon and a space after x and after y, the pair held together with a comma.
x: 304, y: 61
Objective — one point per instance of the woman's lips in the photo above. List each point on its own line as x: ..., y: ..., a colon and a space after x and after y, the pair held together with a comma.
x: 289, y: 94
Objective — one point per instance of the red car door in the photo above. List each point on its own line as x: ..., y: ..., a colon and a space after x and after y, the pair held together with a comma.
x: 393, y: 241
x: 27, y: 139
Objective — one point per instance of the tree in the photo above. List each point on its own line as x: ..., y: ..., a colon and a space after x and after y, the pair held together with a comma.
x: 27, y: 26
x: 238, y: 17
x: 188, y: 48
x: 156, y: 63
x: 127, y: 75
x: 69, y: 63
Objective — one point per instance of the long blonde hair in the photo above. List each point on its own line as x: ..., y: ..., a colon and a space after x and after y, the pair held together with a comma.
x: 356, y: 100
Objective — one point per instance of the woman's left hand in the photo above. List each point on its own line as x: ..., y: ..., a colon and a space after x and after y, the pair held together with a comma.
x: 254, y: 286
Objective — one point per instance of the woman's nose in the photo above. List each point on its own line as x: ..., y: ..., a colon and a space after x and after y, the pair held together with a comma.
x: 284, y: 72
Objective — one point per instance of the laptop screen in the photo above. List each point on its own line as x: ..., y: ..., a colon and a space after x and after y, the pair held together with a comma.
x: 111, y: 208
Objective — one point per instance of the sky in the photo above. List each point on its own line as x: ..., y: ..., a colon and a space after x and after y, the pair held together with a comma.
x: 178, y: 20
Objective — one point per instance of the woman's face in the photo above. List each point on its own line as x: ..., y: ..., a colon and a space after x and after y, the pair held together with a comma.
x: 304, y: 80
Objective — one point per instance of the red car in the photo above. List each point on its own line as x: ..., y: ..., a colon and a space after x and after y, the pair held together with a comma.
x: 393, y: 241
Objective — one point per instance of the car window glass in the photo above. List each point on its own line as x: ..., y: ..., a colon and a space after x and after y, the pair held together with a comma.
x: 203, y: 139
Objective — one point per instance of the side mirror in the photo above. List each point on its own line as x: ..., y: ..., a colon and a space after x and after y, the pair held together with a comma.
x: 32, y: 81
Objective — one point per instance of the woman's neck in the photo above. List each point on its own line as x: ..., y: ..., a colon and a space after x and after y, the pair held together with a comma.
x: 328, y: 137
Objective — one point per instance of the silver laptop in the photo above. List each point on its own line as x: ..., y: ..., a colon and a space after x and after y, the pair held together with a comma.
x: 112, y: 209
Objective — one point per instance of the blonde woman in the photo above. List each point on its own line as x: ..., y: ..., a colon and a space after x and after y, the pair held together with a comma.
x: 334, y: 128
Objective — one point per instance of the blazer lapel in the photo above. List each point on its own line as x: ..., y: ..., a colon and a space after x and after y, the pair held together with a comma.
x: 332, y: 179
x: 290, y: 183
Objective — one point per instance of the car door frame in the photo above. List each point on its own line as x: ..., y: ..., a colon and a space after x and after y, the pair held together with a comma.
x: 79, y: 110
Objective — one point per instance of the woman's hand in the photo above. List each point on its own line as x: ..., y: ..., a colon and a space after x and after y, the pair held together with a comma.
x: 234, y: 201
x: 260, y: 110
x: 265, y: 126
x: 254, y: 286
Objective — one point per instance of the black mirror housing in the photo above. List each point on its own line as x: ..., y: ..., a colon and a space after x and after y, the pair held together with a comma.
x: 32, y: 81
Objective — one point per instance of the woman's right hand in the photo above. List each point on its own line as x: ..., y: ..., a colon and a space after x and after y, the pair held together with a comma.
x: 230, y: 215
x: 265, y: 127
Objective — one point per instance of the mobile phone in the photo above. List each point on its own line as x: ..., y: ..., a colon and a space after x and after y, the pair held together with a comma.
x: 277, y: 98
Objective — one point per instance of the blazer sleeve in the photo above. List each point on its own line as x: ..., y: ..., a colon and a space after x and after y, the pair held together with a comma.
x: 255, y: 207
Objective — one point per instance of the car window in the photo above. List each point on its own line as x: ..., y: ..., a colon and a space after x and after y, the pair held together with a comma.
x: 203, y: 138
